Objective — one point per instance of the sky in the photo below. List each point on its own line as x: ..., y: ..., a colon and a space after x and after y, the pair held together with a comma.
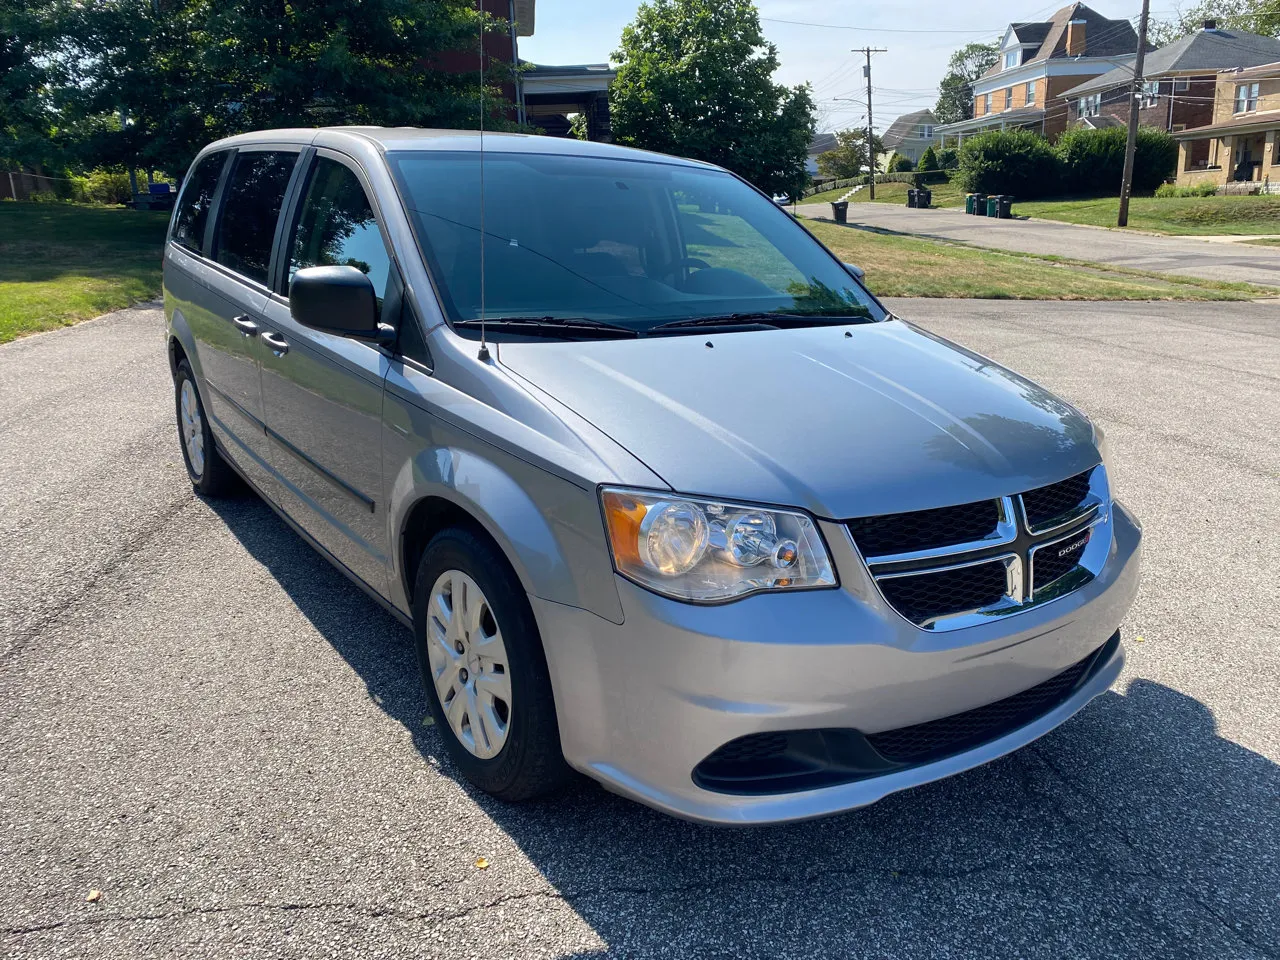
x: 919, y: 36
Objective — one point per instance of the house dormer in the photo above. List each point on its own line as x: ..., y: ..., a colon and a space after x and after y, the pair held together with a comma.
x: 1015, y: 50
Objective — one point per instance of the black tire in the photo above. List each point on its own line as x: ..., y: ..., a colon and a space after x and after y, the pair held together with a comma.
x: 530, y: 764
x: 215, y: 478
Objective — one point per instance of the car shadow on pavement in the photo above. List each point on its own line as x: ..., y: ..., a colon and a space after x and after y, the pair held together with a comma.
x: 1133, y: 830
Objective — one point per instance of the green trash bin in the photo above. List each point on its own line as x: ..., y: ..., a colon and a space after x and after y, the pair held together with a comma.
x: 993, y: 206
x: 968, y: 202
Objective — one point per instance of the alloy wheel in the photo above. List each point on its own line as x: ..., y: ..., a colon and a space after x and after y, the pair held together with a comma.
x: 469, y: 666
x: 192, y: 425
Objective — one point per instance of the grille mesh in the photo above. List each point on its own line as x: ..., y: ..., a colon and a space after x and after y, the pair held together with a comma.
x: 1049, y: 564
x: 749, y: 749
x: 936, y: 594
x: 925, y: 529
x: 1045, y: 503
x: 938, y: 738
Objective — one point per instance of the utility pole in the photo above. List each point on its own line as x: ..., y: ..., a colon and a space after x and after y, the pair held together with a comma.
x: 871, y: 146
x: 1126, y: 184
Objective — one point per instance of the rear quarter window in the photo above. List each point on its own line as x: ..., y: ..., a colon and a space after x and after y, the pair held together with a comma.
x: 196, y: 200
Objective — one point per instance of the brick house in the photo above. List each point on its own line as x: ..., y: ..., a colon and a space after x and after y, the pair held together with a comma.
x: 1242, y: 141
x: 1039, y: 61
x: 1179, y: 81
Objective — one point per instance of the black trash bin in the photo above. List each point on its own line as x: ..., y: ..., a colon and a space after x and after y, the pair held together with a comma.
x: 913, y: 198
x: 979, y: 204
x: 1004, y: 210
x: 924, y: 197
x: 840, y: 211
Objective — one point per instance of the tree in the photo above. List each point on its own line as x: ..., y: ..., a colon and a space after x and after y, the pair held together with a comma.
x: 849, y: 156
x: 955, y: 93
x: 1016, y: 162
x: 899, y: 164
x: 928, y: 160
x: 24, y: 120
x: 148, y: 83
x: 695, y: 79
x: 1250, y: 16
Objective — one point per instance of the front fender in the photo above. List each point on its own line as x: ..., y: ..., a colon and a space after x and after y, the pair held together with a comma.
x: 549, y: 529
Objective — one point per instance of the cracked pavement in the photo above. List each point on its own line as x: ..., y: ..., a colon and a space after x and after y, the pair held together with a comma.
x: 205, y: 722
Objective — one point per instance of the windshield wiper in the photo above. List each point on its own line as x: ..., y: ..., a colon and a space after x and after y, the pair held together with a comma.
x: 762, y: 320
x: 550, y: 326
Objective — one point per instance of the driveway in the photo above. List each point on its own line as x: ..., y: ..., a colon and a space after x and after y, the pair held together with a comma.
x: 205, y: 723
x: 1139, y: 251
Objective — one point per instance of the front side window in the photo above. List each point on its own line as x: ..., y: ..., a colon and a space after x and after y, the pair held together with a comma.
x: 1008, y: 97
x: 1011, y: 59
x: 986, y: 103
x: 1150, y: 94
x: 250, y: 208
x: 1031, y: 92
x: 1246, y: 97
x: 1089, y: 106
x: 197, y: 197
x: 630, y: 243
x: 337, y: 227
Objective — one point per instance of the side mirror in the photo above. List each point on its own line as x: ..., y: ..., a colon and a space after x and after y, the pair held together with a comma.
x: 338, y: 300
x: 856, y: 270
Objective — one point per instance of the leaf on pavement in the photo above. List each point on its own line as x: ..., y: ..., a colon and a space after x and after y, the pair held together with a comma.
x: 94, y: 896
x: 482, y: 863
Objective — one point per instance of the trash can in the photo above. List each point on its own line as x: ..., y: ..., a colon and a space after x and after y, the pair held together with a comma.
x: 924, y: 197
x: 913, y: 198
x: 979, y: 205
x: 968, y: 203
x: 993, y: 206
x: 840, y: 211
x: 1006, y: 207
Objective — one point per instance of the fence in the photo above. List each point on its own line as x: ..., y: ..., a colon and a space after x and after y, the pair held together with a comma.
x: 18, y: 185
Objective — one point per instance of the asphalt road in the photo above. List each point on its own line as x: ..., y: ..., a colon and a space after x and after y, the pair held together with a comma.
x: 203, y: 721
x: 1138, y: 251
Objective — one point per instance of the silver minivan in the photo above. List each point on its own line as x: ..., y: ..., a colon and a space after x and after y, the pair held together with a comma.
x: 666, y: 495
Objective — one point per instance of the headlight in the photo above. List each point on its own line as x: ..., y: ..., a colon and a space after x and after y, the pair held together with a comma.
x: 707, y: 550
x: 1104, y: 450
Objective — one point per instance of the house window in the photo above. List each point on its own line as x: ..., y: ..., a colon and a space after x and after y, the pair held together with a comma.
x: 1246, y: 97
x: 1031, y: 92
x: 1089, y: 106
x: 1150, y: 95
x: 1011, y: 58
x: 986, y: 103
x: 928, y: 131
x: 1008, y: 97
x: 1181, y: 85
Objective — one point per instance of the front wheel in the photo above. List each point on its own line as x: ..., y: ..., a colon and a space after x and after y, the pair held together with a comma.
x: 484, y: 670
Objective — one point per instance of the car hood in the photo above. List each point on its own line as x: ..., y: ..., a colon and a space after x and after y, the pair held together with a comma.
x: 843, y: 421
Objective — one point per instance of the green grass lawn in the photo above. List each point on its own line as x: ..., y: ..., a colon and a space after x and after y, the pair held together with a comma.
x: 1265, y: 241
x: 944, y: 194
x: 1186, y: 216
x: 910, y: 267
x: 62, y: 262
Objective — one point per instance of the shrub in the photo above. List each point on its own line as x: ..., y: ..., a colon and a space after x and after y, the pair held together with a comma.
x: 1015, y: 162
x: 107, y: 186
x: 1093, y: 160
x: 900, y: 164
x: 948, y: 158
x: 928, y: 159
x: 1198, y: 190
x: 44, y: 196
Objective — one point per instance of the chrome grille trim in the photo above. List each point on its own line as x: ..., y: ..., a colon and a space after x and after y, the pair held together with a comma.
x: 1014, y: 544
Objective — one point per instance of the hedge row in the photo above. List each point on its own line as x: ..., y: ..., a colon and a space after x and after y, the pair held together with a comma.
x: 1027, y: 166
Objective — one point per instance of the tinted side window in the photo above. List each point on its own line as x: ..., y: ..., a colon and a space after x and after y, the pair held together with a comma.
x: 250, y: 207
x: 337, y: 227
x: 197, y: 198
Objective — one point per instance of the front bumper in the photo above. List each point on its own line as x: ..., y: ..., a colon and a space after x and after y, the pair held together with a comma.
x: 641, y: 703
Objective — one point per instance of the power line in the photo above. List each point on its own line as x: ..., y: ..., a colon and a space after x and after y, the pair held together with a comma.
x: 845, y: 26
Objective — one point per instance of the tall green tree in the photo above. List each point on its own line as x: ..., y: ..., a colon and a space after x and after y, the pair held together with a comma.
x: 848, y: 158
x: 24, y: 111
x: 176, y: 74
x: 955, y: 93
x: 695, y: 79
x: 1251, y: 16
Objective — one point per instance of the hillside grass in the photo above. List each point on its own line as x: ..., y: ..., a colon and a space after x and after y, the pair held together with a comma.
x: 1177, y: 216
x: 944, y: 194
x: 898, y: 266
x: 63, y: 262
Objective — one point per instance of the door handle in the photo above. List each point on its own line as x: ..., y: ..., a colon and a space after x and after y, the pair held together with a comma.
x: 278, y: 344
x: 245, y: 325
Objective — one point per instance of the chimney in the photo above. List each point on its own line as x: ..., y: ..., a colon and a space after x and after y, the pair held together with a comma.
x: 1211, y: 24
x: 1075, y: 38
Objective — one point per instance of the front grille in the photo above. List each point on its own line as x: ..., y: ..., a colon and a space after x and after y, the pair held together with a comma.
x: 925, y: 529
x: 1057, y: 559
x: 936, y: 739
x: 752, y: 748
x: 1047, y: 503
x: 942, y: 592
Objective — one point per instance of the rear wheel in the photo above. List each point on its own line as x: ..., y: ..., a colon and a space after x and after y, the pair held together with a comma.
x: 484, y: 671
x: 210, y: 474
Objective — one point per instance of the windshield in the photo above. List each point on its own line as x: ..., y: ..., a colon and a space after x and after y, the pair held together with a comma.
x: 629, y: 243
